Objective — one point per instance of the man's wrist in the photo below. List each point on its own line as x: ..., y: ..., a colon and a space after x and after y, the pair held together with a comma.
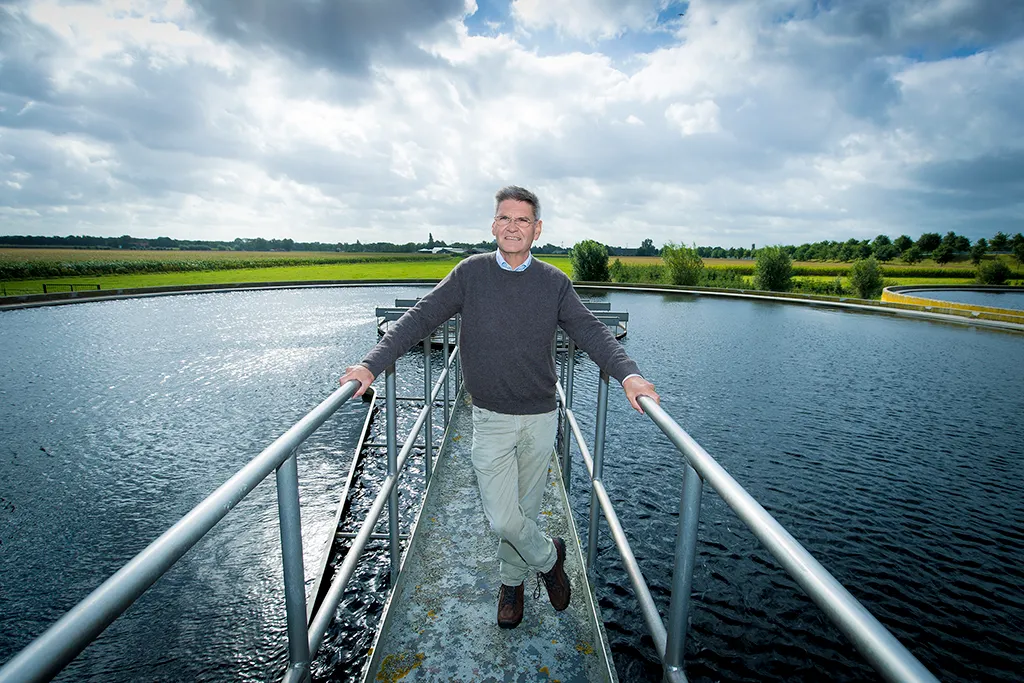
x: 635, y: 374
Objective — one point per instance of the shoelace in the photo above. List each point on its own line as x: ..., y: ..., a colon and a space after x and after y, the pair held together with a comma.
x: 536, y: 590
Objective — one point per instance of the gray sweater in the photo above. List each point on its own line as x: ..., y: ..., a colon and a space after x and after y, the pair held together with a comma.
x: 508, y: 322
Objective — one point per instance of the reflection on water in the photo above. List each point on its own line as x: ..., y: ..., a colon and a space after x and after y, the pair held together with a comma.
x: 889, y: 448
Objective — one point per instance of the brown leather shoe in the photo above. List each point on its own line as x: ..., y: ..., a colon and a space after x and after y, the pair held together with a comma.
x: 510, y: 606
x: 556, y: 580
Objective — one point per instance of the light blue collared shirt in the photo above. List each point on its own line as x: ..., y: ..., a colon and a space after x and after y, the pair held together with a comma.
x: 505, y: 266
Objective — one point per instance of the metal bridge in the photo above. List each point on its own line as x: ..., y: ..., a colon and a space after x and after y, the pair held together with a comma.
x: 439, y: 618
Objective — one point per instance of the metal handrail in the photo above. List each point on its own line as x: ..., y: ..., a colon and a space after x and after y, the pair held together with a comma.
x: 58, y: 645
x: 324, y: 616
x: 48, y: 654
x: 890, y: 658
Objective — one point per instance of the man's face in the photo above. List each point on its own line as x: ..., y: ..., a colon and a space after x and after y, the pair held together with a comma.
x: 518, y: 236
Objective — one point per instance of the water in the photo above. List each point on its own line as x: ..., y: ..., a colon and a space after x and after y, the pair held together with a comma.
x: 1013, y: 300
x: 889, y: 448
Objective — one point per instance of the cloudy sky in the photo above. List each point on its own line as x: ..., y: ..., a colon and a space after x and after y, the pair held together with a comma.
x: 716, y: 122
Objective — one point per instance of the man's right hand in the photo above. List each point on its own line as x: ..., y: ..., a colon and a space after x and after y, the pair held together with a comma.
x: 359, y: 373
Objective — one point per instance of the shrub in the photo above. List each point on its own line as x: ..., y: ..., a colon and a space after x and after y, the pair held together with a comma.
x: 589, y: 262
x: 684, y: 264
x: 827, y: 287
x: 773, y: 269
x: 617, y: 271
x: 994, y: 272
x: 725, y: 278
x: 866, y: 278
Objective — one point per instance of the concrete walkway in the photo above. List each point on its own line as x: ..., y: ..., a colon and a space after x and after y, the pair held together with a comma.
x: 440, y: 621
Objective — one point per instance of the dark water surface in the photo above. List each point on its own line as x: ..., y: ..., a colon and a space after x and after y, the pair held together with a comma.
x: 891, y: 449
x: 1014, y: 300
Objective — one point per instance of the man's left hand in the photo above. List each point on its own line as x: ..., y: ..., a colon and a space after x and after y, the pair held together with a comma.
x: 637, y: 386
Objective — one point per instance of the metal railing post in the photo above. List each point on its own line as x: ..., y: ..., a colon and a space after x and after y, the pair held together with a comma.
x: 294, y: 571
x: 570, y: 365
x: 682, y: 572
x: 428, y: 403
x: 560, y: 368
x: 595, y: 514
x: 447, y: 378
x: 458, y: 361
x: 392, y: 432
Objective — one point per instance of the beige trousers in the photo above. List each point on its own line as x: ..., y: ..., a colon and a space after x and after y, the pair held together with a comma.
x: 511, y: 455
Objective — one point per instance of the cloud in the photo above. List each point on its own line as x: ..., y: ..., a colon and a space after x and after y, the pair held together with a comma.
x: 588, y: 19
x: 744, y: 122
x: 692, y: 119
x: 342, y: 36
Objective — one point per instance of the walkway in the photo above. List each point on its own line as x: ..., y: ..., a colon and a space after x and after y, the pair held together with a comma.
x: 440, y: 622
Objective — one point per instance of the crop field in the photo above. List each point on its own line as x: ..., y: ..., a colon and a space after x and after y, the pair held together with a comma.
x: 29, y: 254
x: 20, y: 265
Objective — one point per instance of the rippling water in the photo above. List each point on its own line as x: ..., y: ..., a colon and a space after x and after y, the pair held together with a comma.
x: 891, y: 449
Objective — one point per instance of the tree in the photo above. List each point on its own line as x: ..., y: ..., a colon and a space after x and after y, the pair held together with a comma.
x: 999, y: 242
x: 683, y: 264
x: 866, y: 278
x: 773, y: 269
x: 929, y: 242
x: 430, y: 240
x: 994, y: 272
x: 943, y: 254
x: 849, y: 251
x: 589, y: 262
x: 880, y: 241
x: 1017, y: 247
x: 886, y: 252
x: 647, y: 248
x: 903, y: 242
x: 912, y: 254
x: 978, y: 250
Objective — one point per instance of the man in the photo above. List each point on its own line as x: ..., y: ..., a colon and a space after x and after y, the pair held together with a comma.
x: 511, y: 306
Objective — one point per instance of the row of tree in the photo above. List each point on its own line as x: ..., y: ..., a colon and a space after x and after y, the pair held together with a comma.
x: 773, y: 270
x: 941, y: 249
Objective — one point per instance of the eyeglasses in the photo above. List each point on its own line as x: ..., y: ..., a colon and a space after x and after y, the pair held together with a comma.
x: 522, y: 222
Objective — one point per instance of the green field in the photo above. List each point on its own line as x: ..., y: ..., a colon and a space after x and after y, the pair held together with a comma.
x: 344, y: 267
x: 185, y: 268
x: 46, y: 254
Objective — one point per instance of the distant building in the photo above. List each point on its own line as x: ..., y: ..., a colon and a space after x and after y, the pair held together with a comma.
x: 443, y: 250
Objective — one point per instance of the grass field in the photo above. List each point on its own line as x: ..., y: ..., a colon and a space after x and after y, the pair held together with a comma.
x: 376, y: 266
x: 403, y: 269
x: 30, y: 254
x: 415, y: 270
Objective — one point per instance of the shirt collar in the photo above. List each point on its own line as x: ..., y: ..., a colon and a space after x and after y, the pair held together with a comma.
x: 505, y: 266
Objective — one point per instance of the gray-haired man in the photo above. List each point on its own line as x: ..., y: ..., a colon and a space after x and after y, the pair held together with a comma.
x: 511, y: 306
